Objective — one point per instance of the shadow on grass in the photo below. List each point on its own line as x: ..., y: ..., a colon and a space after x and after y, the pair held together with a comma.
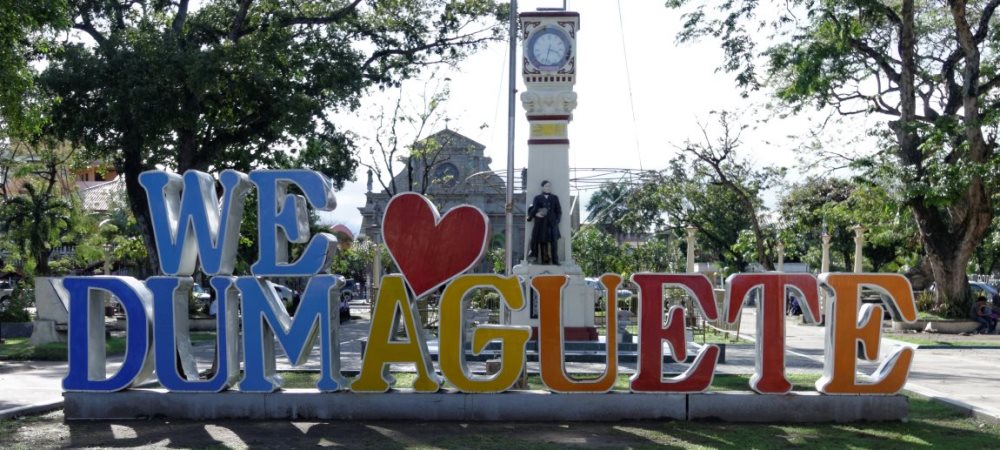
x: 930, y: 425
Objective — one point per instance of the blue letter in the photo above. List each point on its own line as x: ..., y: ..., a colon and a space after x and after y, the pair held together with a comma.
x: 195, y: 211
x: 296, y: 336
x: 283, y: 218
x: 87, y: 356
x: 173, y: 340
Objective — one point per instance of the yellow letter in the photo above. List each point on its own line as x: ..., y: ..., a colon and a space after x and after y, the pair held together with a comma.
x: 382, y: 350
x: 513, y: 338
x: 844, y: 331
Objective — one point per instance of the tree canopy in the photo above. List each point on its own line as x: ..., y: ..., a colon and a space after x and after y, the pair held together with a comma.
x: 929, y: 68
x: 232, y: 84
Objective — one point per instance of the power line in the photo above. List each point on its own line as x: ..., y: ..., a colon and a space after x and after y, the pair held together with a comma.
x: 496, y: 108
x: 628, y: 80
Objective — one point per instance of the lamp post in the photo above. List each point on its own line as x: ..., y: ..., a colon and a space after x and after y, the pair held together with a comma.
x: 376, y: 262
x: 859, y: 242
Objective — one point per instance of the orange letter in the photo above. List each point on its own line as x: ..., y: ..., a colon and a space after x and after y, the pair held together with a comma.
x: 769, y: 370
x: 550, y: 340
x: 844, y: 329
x: 652, y: 333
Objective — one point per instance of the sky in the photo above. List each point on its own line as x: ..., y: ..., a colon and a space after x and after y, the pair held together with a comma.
x: 640, y: 94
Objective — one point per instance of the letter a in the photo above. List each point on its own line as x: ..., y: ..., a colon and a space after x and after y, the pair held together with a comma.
x: 383, y: 350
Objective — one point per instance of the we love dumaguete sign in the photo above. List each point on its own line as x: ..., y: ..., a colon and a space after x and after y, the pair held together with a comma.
x: 191, y: 224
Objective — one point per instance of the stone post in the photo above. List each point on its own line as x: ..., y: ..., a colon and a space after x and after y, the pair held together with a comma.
x: 781, y: 257
x: 859, y: 242
x: 825, y: 264
x: 691, y: 230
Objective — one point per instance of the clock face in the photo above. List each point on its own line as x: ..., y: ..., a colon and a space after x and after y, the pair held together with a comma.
x: 446, y: 174
x: 549, y: 48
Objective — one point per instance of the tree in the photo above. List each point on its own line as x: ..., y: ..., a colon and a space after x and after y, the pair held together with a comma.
x: 931, y: 71
x: 33, y: 223
x: 391, y: 141
x: 726, y: 169
x: 608, y: 206
x: 36, y: 216
x: 839, y: 205
x: 596, y: 252
x: 711, y: 187
x: 25, y: 36
x: 240, y: 84
x: 806, y: 209
x: 683, y: 193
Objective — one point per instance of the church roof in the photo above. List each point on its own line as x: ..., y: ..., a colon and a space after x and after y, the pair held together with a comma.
x: 454, y: 142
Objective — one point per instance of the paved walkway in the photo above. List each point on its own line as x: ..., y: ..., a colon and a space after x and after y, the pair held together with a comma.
x: 969, y: 379
x: 966, y: 378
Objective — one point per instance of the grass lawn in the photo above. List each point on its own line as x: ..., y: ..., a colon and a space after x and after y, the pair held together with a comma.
x: 925, y: 315
x: 713, y: 336
x: 947, y: 343
x: 20, y: 349
x: 202, y: 336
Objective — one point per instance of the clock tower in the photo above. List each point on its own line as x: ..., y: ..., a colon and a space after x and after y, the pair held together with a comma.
x: 549, y: 68
x: 549, y: 73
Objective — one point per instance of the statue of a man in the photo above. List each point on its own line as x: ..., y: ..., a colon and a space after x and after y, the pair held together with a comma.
x: 545, y: 212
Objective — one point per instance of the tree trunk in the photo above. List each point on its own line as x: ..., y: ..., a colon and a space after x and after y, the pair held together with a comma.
x: 140, y: 206
x: 952, y: 286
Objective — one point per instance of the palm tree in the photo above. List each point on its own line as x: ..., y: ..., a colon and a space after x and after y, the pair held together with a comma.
x: 608, y: 206
x: 35, y: 222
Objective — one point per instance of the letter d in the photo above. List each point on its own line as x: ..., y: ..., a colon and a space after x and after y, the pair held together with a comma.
x: 87, y: 356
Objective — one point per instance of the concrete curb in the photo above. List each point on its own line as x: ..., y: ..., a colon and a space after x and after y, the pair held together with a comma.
x: 27, y: 410
x: 987, y: 414
x: 298, y: 404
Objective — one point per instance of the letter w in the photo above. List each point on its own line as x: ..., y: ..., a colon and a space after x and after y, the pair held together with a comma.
x: 189, y: 222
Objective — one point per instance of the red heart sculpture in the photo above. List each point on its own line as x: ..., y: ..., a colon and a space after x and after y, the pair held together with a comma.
x: 430, y: 250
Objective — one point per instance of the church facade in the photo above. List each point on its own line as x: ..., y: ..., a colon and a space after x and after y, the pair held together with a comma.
x: 451, y: 170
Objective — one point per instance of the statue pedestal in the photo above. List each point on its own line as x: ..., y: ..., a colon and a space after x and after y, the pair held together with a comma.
x: 578, y: 301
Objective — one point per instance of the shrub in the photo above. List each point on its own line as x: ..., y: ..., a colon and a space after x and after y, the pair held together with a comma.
x: 15, y: 308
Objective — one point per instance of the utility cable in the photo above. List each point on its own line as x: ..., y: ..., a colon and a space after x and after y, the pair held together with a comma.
x: 628, y: 79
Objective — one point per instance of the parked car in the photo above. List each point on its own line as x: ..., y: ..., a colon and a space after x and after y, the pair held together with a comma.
x: 595, y: 284
x: 345, y: 310
x: 285, y: 294
x: 202, y: 296
x: 980, y: 288
x: 349, y: 291
x: 977, y: 288
x: 6, y: 290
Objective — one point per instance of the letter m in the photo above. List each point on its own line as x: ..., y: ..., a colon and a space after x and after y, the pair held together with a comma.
x: 189, y: 222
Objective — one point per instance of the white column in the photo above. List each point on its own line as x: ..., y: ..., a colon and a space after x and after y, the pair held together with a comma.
x: 690, y: 248
x: 781, y: 257
x: 825, y: 264
x: 859, y: 242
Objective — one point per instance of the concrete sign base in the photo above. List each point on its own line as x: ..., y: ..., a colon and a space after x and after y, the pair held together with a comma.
x: 509, y: 406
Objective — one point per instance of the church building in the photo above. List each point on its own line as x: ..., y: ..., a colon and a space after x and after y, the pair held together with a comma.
x: 451, y: 170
